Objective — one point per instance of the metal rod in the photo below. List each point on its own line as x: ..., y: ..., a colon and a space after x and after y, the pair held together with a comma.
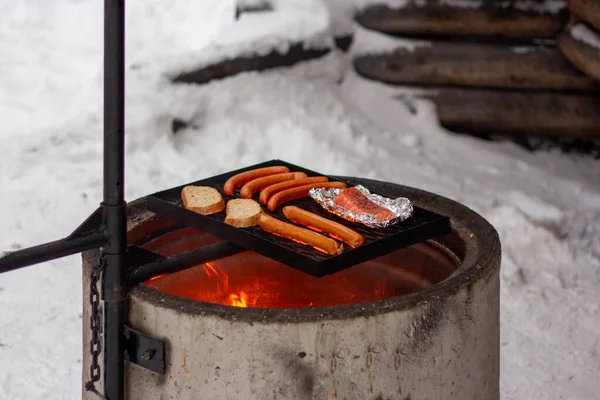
x: 114, y: 101
x: 50, y: 251
x: 114, y: 284
x: 182, y: 261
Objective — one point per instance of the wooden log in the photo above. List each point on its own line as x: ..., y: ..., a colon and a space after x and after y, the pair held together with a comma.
x: 539, y: 114
x: 581, y: 45
x: 587, y: 10
x: 476, y: 65
x: 297, y: 53
x: 249, y: 7
x: 516, y: 19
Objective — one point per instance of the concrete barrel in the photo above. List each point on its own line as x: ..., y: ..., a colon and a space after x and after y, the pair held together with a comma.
x: 441, y: 342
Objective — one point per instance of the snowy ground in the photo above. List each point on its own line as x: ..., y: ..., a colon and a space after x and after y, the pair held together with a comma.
x: 546, y: 206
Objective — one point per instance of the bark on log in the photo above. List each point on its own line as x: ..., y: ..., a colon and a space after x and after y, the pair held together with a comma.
x: 488, y: 112
x: 477, y: 65
x: 585, y: 56
x: 587, y: 10
x: 510, y: 19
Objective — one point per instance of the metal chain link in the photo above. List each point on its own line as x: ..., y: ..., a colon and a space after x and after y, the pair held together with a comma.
x: 95, y: 327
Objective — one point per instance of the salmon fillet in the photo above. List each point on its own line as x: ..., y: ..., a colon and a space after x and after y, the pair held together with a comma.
x: 353, y: 200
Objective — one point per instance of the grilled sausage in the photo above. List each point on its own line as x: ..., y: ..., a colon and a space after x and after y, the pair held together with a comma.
x: 300, y: 235
x: 244, y: 177
x: 299, y: 192
x: 320, y: 224
x: 269, y: 191
x: 260, y: 183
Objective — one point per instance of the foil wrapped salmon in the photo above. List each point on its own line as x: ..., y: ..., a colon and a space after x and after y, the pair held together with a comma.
x: 358, y: 204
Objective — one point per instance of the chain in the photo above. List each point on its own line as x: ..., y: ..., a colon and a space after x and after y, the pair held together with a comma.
x: 95, y: 326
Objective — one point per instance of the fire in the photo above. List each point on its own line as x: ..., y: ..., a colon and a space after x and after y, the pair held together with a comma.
x: 236, y: 298
x: 249, y: 280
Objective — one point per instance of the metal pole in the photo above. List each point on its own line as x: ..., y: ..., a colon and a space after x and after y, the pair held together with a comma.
x: 114, y: 283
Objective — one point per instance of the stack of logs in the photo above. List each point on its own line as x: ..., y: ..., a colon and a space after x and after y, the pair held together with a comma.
x: 522, y: 68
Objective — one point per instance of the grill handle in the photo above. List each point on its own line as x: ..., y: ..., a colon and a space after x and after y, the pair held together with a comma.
x: 182, y: 261
x: 50, y: 251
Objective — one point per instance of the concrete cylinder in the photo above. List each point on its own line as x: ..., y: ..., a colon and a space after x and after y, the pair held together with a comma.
x: 439, y: 343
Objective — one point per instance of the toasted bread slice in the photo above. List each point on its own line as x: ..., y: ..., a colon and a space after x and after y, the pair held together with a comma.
x: 243, y: 213
x: 202, y: 199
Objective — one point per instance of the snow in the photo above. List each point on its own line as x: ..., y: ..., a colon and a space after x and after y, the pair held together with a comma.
x: 546, y: 205
x: 371, y: 42
x: 290, y: 22
x: 341, y: 16
x: 586, y: 35
x: 66, y: 36
x: 174, y: 27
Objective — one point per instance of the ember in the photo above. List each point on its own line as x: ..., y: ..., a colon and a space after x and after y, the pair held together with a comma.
x: 251, y: 280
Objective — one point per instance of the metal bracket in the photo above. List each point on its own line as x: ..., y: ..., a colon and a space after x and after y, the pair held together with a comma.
x: 145, y: 351
x: 89, y: 235
x: 141, y: 349
x: 92, y: 225
x: 136, y: 257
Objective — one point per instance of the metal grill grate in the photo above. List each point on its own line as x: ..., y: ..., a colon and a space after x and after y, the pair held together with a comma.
x: 421, y: 226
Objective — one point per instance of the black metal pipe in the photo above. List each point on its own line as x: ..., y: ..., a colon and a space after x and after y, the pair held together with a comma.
x: 114, y: 101
x: 114, y: 287
x: 50, y: 251
x: 182, y: 261
x: 113, y: 291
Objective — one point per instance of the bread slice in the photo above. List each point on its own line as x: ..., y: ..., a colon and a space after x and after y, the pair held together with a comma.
x: 242, y: 213
x: 202, y: 199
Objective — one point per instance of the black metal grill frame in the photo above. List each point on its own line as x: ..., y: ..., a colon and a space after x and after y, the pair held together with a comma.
x: 421, y: 226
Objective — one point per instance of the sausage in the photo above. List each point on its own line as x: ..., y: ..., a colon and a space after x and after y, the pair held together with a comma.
x: 269, y: 191
x: 321, y: 224
x: 260, y: 183
x: 244, y: 177
x: 300, y: 235
x: 298, y: 192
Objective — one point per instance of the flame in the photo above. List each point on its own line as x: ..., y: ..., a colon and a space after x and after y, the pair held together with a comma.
x: 236, y: 298
x: 249, y: 280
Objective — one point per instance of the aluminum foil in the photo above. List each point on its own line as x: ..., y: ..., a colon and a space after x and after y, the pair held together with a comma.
x: 401, y: 207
